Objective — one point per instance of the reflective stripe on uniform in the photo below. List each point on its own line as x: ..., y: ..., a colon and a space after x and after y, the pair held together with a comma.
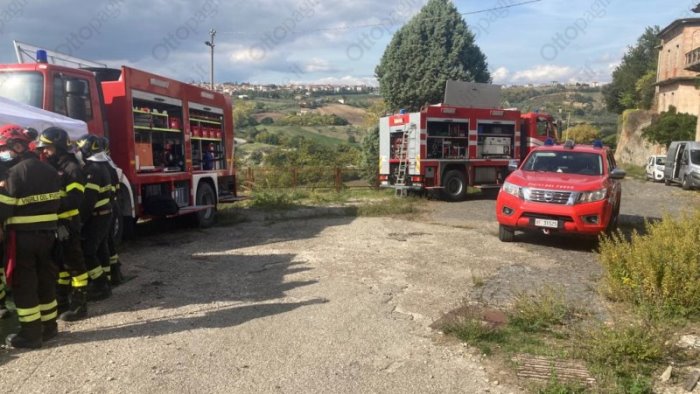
x: 38, y: 198
x: 92, y: 186
x: 80, y: 280
x: 7, y: 200
x: 68, y: 214
x: 75, y: 185
x: 95, y: 272
x: 102, y: 203
x: 51, y: 217
x: 28, y: 315
x: 114, y: 259
x: 48, y: 307
x: 63, y: 278
x: 29, y: 199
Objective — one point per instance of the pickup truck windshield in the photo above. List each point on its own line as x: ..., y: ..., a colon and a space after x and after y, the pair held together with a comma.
x: 26, y: 87
x: 582, y: 163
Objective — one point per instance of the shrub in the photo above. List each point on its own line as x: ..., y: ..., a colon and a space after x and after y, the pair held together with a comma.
x: 671, y: 126
x: 660, y: 270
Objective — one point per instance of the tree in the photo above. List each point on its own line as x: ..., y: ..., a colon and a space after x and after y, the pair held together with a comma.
x: 433, y: 47
x: 626, y: 91
x: 582, y: 134
x: 369, y: 162
x: 671, y: 126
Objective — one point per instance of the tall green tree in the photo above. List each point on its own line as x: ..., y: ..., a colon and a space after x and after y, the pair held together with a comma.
x: 433, y: 47
x: 631, y: 85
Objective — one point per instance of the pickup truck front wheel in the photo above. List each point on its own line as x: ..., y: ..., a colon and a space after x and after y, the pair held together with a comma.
x: 505, y: 234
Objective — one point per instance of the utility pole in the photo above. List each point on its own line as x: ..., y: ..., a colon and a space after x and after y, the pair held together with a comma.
x: 210, y: 44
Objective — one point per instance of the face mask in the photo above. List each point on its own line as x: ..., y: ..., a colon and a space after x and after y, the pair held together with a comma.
x: 6, y: 156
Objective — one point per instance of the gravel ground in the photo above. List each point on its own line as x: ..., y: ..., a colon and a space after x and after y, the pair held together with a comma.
x: 330, y: 304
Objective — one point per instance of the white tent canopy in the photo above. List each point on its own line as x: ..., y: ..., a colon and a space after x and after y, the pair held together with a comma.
x: 12, y: 112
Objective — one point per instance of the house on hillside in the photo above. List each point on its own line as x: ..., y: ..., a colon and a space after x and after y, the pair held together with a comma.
x: 679, y: 63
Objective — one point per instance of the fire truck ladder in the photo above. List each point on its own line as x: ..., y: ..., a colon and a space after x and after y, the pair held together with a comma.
x: 404, y: 160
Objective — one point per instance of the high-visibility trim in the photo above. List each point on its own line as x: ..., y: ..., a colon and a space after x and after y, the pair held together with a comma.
x: 102, y: 203
x: 75, y: 185
x: 68, y: 214
x: 63, y: 282
x: 64, y: 278
x: 114, y: 259
x: 95, y: 272
x: 7, y: 200
x: 64, y: 274
x: 106, y: 189
x: 51, y: 217
x: 80, y: 280
x: 49, y: 306
x: 49, y: 316
x: 38, y: 198
x: 28, y: 315
x: 113, y: 188
x: 92, y: 186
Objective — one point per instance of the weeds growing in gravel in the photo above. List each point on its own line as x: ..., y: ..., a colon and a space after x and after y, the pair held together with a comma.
x: 659, y: 271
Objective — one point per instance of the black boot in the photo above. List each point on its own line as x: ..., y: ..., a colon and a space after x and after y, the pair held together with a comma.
x: 49, y: 330
x: 78, y: 306
x: 62, y: 299
x: 99, y: 289
x: 28, y: 337
x: 116, y: 272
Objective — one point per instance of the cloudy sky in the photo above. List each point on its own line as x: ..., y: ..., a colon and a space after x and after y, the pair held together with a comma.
x: 280, y: 41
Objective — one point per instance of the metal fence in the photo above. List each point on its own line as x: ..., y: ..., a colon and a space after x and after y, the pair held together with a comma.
x: 311, y: 178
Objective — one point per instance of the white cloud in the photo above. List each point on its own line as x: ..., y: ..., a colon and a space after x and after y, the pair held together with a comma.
x: 500, y: 75
x: 318, y: 65
x: 543, y: 74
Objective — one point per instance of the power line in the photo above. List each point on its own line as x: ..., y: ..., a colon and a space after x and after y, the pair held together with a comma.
x: 343, y: 28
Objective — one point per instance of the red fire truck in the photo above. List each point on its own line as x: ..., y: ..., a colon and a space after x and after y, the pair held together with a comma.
x: 172, y: 140
x: 447, y: 148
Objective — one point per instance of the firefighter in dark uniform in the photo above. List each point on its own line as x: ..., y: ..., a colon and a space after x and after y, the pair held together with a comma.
x: 72, y: 277
x: 4, y: 312
x: 95, y: 215
x: 115, y: 272
x: 29, y: 203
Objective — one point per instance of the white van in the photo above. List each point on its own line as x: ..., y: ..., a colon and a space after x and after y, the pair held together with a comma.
x: 655, y: 168
x: 683, y: 164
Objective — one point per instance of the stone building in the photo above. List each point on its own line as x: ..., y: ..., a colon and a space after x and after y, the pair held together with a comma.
x: 679, y: 65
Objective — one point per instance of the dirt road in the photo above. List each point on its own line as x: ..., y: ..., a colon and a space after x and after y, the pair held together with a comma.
x: 332, y: 304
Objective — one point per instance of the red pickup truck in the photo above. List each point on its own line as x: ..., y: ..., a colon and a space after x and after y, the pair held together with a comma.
x: 561, y: 189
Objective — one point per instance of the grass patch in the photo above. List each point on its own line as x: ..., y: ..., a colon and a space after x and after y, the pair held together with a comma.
x: 275, y: 200
x: 540, y: 311
x: 622, y: 357
x: 634, y: 171
x: 388, y: 207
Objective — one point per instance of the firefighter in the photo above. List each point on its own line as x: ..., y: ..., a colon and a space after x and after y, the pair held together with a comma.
x: 4, y: 312
x: 29, y: 203
x: 115, y: 272
x: 95, y: 215
x: 73, y: 277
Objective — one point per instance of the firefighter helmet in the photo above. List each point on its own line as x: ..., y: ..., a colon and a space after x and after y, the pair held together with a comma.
x: 12, y: 133
x: 54, y: 136
x: 89, y: 145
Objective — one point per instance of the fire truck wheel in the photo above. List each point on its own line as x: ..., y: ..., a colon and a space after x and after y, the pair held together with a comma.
x: 505, y: 234
x: 454, y: 186
x: 206, y: 196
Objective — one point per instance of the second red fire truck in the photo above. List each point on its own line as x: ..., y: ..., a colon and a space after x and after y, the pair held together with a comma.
x: 448, y: 148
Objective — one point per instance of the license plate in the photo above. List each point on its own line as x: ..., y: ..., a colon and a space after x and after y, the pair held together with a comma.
x: 547, y: 223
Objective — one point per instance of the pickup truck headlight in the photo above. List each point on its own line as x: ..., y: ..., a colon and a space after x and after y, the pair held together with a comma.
x: 596, y: 195
x: 512, y: 189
